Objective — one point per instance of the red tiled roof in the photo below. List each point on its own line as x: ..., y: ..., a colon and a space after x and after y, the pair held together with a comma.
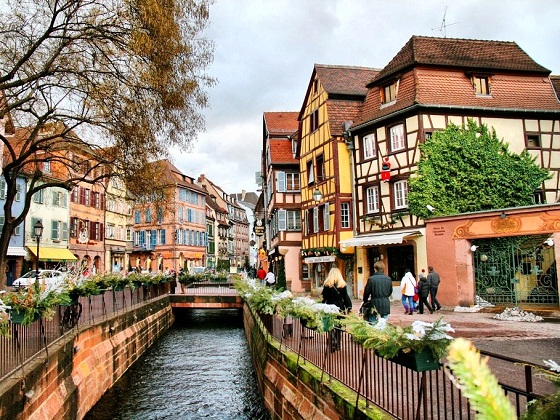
x: 345, y: 80
x: 280, y: 123
x: 448, y: 88
x: 555, y: 80
x: 281, y: 152
x: 468, y: 54
x: 340, y: 112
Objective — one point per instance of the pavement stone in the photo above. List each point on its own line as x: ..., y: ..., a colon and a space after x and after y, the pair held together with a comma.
x: 531, y: 342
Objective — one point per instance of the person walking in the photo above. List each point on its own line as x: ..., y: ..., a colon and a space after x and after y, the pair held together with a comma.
x: 433, y: 280
x: 335, y: 293
x: 261, y: 274
x: 376, y: 294
x: 423, y: 293
x: 270, y: 278
x: 408, y: 290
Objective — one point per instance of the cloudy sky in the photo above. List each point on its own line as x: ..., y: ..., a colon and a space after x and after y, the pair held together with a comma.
x: 265, y: 51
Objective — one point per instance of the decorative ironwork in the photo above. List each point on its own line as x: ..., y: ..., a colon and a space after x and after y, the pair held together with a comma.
x: 519, y: 270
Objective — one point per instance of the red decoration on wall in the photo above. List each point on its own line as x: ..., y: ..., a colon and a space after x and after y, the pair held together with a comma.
x: 385, y: 170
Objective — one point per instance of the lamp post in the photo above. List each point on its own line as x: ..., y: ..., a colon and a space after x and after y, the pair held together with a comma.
x: 38, y: 231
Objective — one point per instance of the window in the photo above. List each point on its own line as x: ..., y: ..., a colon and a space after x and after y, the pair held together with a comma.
x: 59, y: 199
x: 389, y: 93
x: 18, y: 192
x: 345, y: 215
x: 47, y: 166
x: 294, y: 147
x: 400, y: 191
x: 148, y: 216
x: 310, y: 173
x: 137, y: 216
x: 314, y: 121
x: 538, y: 197
x: 56, y: 230
x: 287, y: 181
x: 396, y: 134
x: 372, y: 200
x: 38, y: 197
x: 2, y: 189
x: 320, y: 168
x: 315, y: 86
x: 161, y: 237
x: 533, y: 141
x: 481, y: 85
x: 293, y: 218
x: 368, y: 146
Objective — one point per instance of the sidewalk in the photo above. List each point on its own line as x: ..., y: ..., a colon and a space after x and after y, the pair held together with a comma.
x: 529, y: 341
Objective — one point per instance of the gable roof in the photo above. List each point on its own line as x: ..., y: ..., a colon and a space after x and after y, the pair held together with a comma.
x: 472, y: 54
x: 280, y: 123
x: 340, y: 82
x: 281, y: 152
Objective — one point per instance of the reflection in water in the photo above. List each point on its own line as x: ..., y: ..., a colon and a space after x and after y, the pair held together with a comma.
x: 201, y: 368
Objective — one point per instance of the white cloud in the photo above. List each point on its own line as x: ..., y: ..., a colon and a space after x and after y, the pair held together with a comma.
x: 265, y: 52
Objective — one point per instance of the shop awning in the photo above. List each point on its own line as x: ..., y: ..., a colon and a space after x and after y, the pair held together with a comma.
x: 16, y: 251
x: 53, y: 254
x: 380, y: 238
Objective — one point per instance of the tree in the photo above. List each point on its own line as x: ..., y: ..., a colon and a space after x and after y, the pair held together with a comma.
x: 466, y: 169
x: 121, y: 80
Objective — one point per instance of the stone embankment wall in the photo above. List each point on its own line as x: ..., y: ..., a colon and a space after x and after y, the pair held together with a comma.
x: 295, y: 391
x: 82, y: 366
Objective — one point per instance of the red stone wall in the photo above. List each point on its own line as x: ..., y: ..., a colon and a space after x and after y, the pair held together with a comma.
x: 83, y: 366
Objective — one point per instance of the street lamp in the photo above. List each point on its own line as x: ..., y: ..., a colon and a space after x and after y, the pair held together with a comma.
x: 38, y: 231
x: 317, y: 195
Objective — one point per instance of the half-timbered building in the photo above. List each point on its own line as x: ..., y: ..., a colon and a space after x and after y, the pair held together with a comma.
x: 333, y: 99
x: 430, y: 83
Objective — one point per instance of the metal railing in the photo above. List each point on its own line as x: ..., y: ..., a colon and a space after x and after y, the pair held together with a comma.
x: 28, y: 342
x: 398, y: 390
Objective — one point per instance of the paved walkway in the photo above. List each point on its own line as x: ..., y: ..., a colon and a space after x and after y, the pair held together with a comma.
x: 529, y: 341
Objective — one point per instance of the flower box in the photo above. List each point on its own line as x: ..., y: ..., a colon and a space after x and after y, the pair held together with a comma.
x: 418, y: 361
x: 18, y: 317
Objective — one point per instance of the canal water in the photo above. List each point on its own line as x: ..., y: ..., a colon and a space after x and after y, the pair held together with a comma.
x: 200, y: 369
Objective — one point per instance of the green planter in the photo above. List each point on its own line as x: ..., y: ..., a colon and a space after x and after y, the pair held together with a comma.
x: 417, y: 361
x: 17, y: 317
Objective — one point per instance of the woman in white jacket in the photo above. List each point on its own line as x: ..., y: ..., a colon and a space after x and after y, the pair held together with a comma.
x: 408, y: 286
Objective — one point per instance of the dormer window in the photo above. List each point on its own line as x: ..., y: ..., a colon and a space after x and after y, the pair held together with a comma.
x: 389, y: 93
x: 481, y: 85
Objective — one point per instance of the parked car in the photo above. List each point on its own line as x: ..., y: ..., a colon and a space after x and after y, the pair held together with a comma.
x: 51, y: 278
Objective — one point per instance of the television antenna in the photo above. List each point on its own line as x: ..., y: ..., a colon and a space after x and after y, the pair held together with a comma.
x: 444, y: 25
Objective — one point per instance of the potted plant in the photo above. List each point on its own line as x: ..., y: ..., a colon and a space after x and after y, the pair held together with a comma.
x: 28, y: 305
x: 4, y: 319
x: 419, y: 346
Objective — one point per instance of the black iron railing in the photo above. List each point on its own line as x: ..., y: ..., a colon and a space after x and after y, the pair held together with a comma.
x: 27, y: 342
x: 398, y: 390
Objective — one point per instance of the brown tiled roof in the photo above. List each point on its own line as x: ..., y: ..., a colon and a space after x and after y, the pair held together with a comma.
x: 448, y: 88
x: 345, y: 80
x: 468, y: 54
x: 281, y: 152
x: 280, y: 123
x: 556, y: 84
x: 340, y: 112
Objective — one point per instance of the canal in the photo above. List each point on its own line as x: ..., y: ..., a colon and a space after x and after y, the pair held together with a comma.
x: 201, y: 368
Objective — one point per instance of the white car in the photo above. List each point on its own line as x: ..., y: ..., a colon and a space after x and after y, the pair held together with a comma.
x: 51, y: 278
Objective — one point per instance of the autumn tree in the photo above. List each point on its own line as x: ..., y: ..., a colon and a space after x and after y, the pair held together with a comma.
x: 465, y: 169
x: 121, y: 80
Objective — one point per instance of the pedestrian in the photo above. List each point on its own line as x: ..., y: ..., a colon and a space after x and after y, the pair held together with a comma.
x: 378, y: 289
x: 423, y: 292
x: 408, y: 290
x: 335, y: 293
x: 261, y: 274
x: 434, y: 280
x: 270, y: 278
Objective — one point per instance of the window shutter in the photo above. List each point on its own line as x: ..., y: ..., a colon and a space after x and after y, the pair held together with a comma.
x: 2, y: 189
x: 64, y: 231
x: 54, y: 230
x: 281, y: 181
x: 153, y: 239
x: 281, y: 220
x: 326, y: 217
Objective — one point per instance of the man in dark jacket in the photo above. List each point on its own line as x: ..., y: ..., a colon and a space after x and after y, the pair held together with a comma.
x: 379, y: 287
x: 433, y: 279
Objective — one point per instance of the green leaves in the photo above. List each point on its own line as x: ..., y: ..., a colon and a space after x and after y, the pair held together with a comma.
x: 467, y: 169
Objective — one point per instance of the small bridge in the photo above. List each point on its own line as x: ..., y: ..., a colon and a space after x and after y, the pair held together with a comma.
x: 206, y: 295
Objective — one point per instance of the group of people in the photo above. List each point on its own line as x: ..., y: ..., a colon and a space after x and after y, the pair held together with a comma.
x: 269, y: 279
x: 414, y: 293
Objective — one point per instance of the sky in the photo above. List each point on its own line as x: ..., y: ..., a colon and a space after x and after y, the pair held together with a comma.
x: 265, y: 51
